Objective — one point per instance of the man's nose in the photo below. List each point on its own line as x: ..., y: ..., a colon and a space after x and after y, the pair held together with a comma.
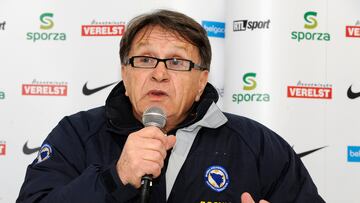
x: 160, y: 72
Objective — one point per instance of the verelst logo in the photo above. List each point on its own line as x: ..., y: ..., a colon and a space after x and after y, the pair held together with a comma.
x: 310, y: 91
x: 86, y: 91
x: 45, y: 88
x: 2, y: 25
x: 47, y: 23
x: 243, y: 25
x: 353, y: 154
x: 351, y: 94
x: 249, y: 95
x: 310, y: 23
x: 101, y: 29
x: 2, y: 148
x: 353, y: 31
x: 28, y: 150
x: 2, y: 95
x: 214, y: 29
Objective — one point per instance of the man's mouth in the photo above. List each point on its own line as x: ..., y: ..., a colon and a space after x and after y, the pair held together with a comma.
x: 157, y: 93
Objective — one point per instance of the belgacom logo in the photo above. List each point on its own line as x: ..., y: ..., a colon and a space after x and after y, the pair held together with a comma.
x: 310, y: 91
x: 98, y: 29
x: 45, y: 88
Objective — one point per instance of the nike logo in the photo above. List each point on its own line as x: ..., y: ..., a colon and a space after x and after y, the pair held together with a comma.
x: 302, y: 154
x: 351, y: 94
x: 28, y: 150
x: 86, y: 91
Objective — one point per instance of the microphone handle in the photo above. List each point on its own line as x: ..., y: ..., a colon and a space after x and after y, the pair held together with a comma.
x: 146, y: 183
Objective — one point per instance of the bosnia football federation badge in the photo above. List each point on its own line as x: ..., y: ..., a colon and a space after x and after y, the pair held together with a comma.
x: 44, y: 153
x: 217, y: 178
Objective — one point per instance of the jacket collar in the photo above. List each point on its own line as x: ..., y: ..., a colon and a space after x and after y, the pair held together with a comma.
x: 120, y: 115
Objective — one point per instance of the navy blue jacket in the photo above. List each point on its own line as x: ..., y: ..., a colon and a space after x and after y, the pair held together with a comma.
x: 77, y: 161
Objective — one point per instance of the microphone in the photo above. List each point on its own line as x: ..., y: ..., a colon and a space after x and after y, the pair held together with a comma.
x: 153, y: 116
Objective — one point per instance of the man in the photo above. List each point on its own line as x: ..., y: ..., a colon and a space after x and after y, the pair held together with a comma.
x: 207, y: 156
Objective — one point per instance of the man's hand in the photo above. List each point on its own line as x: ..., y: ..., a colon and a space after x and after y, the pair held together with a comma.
x: 143, y: 153
x: 246, y: 198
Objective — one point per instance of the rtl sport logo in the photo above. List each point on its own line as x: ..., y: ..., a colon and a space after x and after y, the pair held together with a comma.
x: 46, y: 24
x: 98, y: 29
x: 45, y: 88
x: 310, y: 91
x: 310, y: 24
x: 2, y: 148
x: 353, y: 31
x: 249, y: 95
x: 243, y: 25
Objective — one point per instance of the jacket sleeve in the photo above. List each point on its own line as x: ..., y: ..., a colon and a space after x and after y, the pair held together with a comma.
x: 286, y: 176
x: 60, y: 173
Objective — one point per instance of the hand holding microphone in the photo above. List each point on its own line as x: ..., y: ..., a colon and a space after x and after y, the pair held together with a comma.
x: 145, y: 150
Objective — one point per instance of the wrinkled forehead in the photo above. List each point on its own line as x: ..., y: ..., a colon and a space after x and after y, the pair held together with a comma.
x: 150, y: 34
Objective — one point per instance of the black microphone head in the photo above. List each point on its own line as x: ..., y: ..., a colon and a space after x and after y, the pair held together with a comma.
x: 154, y: 116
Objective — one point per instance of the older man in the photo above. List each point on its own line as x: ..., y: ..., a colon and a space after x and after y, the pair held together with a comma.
x: 101, y: 155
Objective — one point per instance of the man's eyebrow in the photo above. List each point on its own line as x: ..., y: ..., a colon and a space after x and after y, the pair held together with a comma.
x: 142, y: 44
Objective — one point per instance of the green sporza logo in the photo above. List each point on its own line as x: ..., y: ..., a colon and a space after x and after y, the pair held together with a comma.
x: 2, y: 95
x: 46, y: 24
x: 310, y: 24
x: 250, y: 84
x: 311, y: 21
x: 249, y: 81
x: 46, y: 20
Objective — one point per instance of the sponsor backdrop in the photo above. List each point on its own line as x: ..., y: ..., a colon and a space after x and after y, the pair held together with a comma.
x: 291, y: 65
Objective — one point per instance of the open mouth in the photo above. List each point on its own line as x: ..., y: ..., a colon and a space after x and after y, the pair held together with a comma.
x: 157, y: 93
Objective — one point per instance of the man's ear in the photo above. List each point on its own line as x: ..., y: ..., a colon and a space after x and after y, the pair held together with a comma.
x: 204, y: 75
x: 124, y: 77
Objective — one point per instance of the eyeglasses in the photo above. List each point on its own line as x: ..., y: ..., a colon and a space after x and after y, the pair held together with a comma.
x: 170, y: 63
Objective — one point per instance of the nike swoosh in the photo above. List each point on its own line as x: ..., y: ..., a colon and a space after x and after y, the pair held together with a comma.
x: 302, y: 154
x: 86, y: 91
x: 351, y: 94
x: 28, y: 150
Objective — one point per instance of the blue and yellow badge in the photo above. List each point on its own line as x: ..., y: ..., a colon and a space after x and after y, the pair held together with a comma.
x: 217, y: 178
x: 44, y: 153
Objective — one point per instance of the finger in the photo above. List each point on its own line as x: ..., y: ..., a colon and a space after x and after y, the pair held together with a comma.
x: 170, y: 142
x: 154, y: 156
x: 263, y: 201
x: 153, y: 145
x: 246, y: 198
x: 150, y: 167
x: 153, y: 132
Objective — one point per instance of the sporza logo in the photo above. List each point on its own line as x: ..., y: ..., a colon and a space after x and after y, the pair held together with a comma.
x: 250, y: 84
x: 45, y: 18
x: 310, y: 24
x: 2, y: 95
x: 310, y: 19
x: 353, y: 154
x: 47, y: 23
x: 214, y: 29
x: 249, y: 81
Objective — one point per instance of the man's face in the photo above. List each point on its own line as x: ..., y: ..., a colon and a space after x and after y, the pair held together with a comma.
x: 173, y: 91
